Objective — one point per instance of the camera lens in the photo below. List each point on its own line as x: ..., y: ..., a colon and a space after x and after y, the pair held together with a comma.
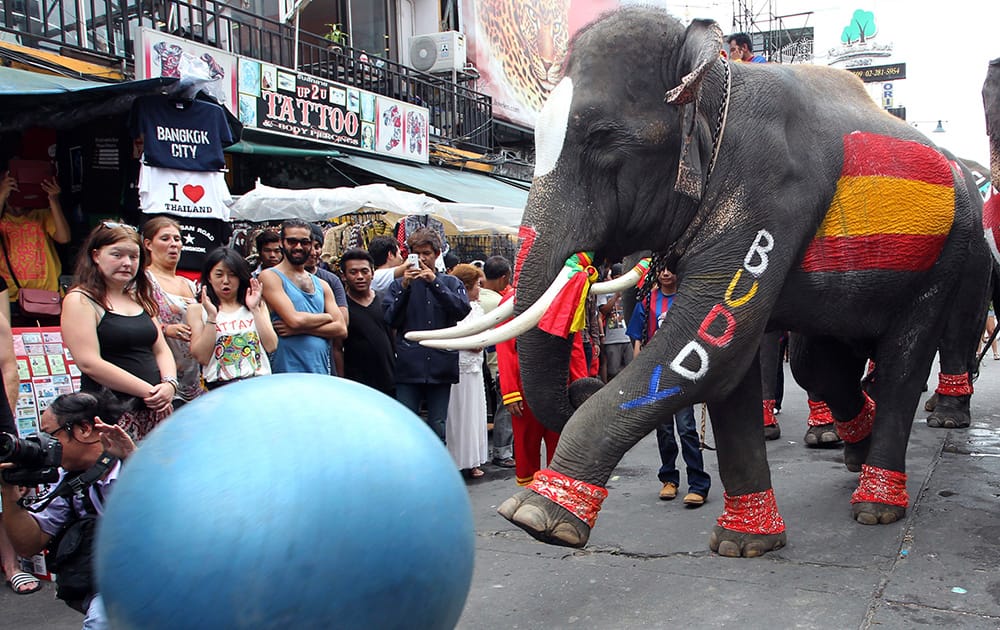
x: 20, y: 452
x: 8, y: 446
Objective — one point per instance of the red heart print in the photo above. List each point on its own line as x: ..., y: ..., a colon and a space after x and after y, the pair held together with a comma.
x: 194, y: 193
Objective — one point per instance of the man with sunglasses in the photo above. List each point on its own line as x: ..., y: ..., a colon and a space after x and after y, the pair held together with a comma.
x: 305, y: 314
x: 75, y: 420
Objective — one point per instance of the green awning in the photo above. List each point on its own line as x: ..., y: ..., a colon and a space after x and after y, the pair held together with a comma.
x: 30, y: 98
x: 254, y: 148
x: 445, y: 184
x: 26, y: 84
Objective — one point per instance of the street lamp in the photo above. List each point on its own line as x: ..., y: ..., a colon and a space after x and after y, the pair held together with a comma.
x: 939, y: 129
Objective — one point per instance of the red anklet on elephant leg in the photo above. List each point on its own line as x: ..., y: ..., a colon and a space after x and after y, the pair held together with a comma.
x: 582, y: 499
x: 769, y: 417
x: 755, y: 513
x: 861, y: 426
x: 954, y: 384
x: 819, y: 414
x: 881, y: 485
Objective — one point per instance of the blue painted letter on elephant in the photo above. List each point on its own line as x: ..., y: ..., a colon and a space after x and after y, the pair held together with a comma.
x: 654, y: 392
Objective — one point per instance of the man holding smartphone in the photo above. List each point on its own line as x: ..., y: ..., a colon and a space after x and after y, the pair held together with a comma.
x: 423, y: 299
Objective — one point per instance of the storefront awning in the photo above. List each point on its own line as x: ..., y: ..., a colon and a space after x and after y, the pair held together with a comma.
x: 254, y: 148
x: 445, y: 183
x: 31, y: 98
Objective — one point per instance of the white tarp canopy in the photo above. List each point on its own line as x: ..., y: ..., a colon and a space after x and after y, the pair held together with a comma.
x: 265, y: 203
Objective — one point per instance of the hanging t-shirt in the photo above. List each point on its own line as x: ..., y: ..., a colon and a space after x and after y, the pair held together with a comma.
x: 185, y: 135
x: 198, y: 238
x: 188, y: 194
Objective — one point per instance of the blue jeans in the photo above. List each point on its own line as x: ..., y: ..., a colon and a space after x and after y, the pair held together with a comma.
x: 436, y: 396
x: 97, y: 618
x: 503, y: 429
x: 698, y: 480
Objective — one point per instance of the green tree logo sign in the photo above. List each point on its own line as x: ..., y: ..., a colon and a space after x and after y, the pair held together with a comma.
x: 860, y: 29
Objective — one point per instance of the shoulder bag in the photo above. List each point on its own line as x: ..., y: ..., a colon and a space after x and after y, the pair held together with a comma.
x: 34, y: 303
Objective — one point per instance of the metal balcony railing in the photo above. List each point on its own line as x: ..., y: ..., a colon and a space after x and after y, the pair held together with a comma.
x: 107, y: 29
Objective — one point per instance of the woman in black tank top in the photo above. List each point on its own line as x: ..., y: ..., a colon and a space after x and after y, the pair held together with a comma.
x: 109, y: 325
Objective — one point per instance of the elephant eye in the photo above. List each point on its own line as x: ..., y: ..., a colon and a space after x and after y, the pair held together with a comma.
x: 608, y: 144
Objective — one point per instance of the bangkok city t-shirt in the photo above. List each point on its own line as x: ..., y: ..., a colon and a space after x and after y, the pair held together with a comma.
x: 185, y: 135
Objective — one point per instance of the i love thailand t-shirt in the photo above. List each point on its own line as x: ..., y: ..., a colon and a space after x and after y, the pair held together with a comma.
x: 193, y: 194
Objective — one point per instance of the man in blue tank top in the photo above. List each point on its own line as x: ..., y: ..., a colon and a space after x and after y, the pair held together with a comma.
x: 303, y: 308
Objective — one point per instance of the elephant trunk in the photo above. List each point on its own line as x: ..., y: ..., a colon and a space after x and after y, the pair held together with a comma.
x: 543, y: 358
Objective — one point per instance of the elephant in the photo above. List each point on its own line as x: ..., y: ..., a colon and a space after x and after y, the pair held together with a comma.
x: 948, y: 409
x: 787, y: 200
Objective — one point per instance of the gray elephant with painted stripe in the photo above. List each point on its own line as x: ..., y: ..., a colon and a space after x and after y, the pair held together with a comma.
x: 786, y: 199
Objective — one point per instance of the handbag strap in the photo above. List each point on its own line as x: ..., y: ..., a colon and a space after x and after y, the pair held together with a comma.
x: 6, y: 256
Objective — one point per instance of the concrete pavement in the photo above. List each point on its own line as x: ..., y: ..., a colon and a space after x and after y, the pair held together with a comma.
x: 648, y: 565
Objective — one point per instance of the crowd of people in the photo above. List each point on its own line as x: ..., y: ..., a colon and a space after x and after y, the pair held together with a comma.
x: 142, y: 330
x: 148, y: 340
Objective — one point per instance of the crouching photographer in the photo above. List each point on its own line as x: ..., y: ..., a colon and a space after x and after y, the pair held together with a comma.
x: 63, y: 519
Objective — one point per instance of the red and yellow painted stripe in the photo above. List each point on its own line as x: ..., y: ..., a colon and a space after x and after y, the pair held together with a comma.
x: 893, y: 208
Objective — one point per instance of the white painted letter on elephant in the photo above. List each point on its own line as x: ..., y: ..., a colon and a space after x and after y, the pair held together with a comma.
x: 761, y: 249
x: 550, y: 129
x: 692, y: 347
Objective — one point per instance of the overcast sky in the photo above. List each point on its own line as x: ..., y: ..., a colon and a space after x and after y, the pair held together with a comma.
x: 946, y: 46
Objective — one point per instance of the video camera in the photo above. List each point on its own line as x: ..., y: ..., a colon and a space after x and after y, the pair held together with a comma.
x: 36, y: 458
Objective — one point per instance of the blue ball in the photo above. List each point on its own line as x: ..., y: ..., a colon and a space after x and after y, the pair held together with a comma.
x: 288, y: 501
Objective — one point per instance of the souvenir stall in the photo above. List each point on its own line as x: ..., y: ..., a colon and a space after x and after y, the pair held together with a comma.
x: 352, y: 216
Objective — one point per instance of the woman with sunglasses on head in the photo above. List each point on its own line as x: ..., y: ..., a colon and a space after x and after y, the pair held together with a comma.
x: 109, y: 324
x: 231, y: 331
x: 161, y: 238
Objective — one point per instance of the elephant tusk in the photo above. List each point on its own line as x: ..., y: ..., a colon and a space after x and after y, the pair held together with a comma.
x: 622, y: 282
x: 517, y: 326
x: 491, y: 319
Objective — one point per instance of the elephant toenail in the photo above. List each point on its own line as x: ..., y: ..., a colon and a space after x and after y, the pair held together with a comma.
x: 569, y: 535
x: 729, y: 549
x: 508, y: 508
x: 531, y: 517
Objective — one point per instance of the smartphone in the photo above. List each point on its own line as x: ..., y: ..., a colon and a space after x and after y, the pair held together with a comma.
x: 413, y: 260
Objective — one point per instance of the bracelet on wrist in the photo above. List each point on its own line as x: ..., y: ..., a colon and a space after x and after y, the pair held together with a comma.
x: 172, y: 380
x: 210, y: 321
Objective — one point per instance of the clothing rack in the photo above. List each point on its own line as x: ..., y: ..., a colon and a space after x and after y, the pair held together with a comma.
x: 469, y: 247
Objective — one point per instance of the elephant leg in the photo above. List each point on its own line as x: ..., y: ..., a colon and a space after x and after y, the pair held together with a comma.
x: 561, y: 504
x: 750, y: 524
x: 770, y: 363
x: 830, y: 371
x: 957, y: 349
x: 821, y: 431
x: 903, y: 361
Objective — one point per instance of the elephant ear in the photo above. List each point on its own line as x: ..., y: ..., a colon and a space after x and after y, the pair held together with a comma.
x: 701, y: 48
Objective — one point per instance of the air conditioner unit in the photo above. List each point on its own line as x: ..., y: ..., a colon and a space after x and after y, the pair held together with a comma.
x: 438, y: 52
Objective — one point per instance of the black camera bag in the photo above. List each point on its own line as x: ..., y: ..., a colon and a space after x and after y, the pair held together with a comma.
x: 71, y: 558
